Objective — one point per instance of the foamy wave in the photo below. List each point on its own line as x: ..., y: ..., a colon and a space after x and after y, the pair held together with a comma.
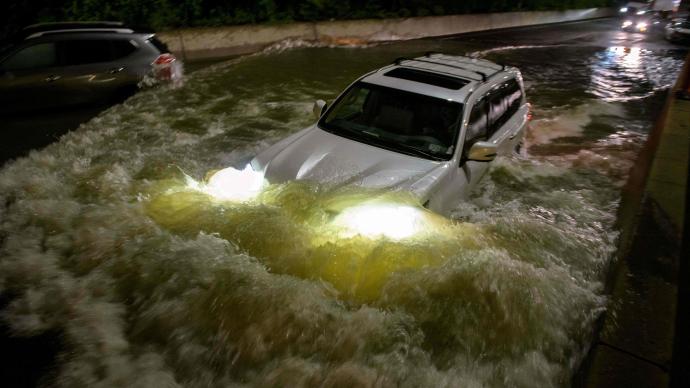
x: 289, y: 44
x: 483, y: 53
x: 150, y: 283
x: 568, y: 122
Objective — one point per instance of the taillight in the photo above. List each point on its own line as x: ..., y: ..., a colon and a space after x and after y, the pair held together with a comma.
x: 163, y: 67
x: 164, y: 59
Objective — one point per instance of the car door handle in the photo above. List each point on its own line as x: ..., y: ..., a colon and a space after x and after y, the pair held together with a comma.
x: 52, y: 78
x: 115, y: 70
x: 512, y: 136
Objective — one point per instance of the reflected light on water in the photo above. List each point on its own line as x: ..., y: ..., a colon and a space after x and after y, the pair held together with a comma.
x: 389, y: 220
x: 617, y: 73
x: 628, y: 56
x: 230, y: 184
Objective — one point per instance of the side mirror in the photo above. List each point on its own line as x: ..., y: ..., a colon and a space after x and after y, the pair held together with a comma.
x: 319, y: 107
x: 482, y: 151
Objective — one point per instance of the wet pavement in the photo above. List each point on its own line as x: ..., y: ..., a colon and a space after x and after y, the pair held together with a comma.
x: 109, y: 254
x: 643, y: 341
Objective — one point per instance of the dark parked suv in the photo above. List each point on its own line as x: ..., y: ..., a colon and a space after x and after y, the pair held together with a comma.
x: 57, y: 64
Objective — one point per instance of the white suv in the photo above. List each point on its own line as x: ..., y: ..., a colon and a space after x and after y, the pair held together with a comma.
x: 428, y: 125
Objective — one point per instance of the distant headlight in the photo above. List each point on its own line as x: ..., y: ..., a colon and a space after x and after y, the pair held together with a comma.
x: 627, y: 23
x: 640, y: 12
x: 624, y: 9
x: 642, y: 26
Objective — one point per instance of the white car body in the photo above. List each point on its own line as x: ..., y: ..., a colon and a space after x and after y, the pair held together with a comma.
x: 315, y: 154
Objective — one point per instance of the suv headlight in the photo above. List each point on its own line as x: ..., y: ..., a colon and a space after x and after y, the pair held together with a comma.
x: 380, y: 219
x: 230, y: 184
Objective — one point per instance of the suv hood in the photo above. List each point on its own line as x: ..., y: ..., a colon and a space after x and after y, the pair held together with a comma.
x: 317, y: 155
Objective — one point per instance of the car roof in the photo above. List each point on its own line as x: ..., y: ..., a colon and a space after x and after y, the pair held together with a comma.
x: 471, y: 72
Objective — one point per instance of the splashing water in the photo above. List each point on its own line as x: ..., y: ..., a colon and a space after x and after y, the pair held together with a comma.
x: 230, y: 184
x: 150, y: 281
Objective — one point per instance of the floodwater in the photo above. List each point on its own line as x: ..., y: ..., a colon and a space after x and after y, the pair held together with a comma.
x: 150, y: 282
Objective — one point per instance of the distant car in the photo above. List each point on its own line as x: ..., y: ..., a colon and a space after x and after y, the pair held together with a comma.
x: 429, y: 125
x: 638, y: 20
x: 56, y: 64
x: 631, y: 8
x: 678, y: 30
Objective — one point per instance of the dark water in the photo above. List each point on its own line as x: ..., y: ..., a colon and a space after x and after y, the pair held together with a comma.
x: 150, y: 282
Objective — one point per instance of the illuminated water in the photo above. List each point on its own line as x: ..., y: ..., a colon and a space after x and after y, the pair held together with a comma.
x: 151, y: 282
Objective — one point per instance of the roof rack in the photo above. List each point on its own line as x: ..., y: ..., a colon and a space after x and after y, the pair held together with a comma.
x: 469, y: 60
x: 36, y: 30
x: 483, y: 75
x: 81, y: 30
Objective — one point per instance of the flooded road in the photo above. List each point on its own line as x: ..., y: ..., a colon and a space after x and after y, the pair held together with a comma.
x: 150, y: 282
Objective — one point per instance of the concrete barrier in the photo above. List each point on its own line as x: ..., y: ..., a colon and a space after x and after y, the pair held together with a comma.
x: 201, y: 43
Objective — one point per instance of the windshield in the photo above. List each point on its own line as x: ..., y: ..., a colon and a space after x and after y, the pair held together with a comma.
x: 396, y: 120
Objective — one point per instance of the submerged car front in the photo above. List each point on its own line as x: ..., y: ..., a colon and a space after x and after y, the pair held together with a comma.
x: 380, y: 133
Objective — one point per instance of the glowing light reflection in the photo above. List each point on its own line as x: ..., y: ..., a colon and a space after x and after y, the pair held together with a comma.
x: 230, y: 184
x: 377, y: 220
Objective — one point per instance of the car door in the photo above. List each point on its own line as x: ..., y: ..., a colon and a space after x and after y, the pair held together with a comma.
x: 27, y: 78
x: 478, y: 129
x: 464, y: 174
x: 92, y: 69
x: 498, y: 131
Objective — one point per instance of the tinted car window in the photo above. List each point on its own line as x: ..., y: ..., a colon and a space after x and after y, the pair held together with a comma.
x: 503, y: 103
x: 497, y: 109
x: 426, y: 77
x: 121, y: 48
x: 396, y: 120
x: 81, y: 52
x: 33, y: 57
x: 478, y: 123
x: 514, y: 97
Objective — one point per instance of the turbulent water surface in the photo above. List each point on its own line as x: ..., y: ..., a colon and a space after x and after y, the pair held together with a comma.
x: 150, y: 282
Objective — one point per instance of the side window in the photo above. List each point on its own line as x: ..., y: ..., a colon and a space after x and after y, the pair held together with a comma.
x: 121, y: 48
x: 514, y: 97
x: 33, y: 57
x: 350, y: 108
x: 504, y: 101
x: 497, y: 110
x: 82, y: 52
x: 478, y: 124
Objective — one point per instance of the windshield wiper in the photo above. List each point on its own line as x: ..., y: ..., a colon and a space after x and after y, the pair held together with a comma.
x: 337, y: 129
x: 381, y: 141
x: 418, y: 152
